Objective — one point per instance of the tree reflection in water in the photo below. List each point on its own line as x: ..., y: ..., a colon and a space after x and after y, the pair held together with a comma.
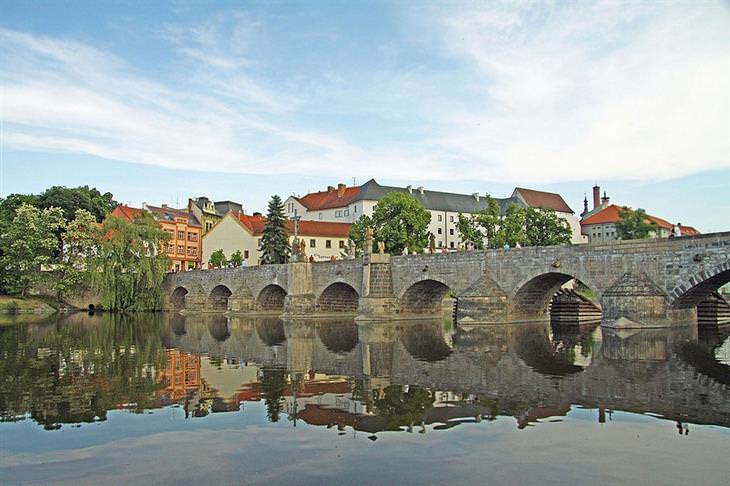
x: 77, y: 372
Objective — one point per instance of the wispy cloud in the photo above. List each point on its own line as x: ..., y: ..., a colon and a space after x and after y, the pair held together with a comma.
x: 505, y: 92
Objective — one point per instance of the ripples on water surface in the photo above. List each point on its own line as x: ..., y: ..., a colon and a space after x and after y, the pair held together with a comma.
x: 166, y: 398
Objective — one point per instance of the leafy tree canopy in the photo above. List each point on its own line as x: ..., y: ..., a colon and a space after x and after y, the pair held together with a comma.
x: 401, y: 221
x: 28, y: 242
x: 358, y: 233
x: 72, y: 199
x: 519, y: 225
x: 634, y: 225
x: 80, y: 242
x: 237, y: 258
x: 218, y: 259
x: 274, y: 245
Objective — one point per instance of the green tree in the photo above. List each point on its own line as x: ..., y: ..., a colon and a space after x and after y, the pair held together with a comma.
x: 468, y: 228
x: 489, y: 220
x: 512, y: 228
x: 28, y: 242
x: 81, y: 241
x: 633, y: 225
x: 218, y: 259
x: 237, y: 258
x: 274, y: 245
x: 129, y: 266
x: 401, y: 221
x: 273, y: 384
x: 543, y: 227
x: 399, y: 407
x: 358, y: 233
x: 72, y: 199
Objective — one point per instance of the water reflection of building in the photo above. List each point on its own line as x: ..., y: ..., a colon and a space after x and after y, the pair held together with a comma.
x: 182, y: 375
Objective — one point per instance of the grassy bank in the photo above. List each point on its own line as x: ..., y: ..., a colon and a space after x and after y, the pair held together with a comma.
x: 28, y: 305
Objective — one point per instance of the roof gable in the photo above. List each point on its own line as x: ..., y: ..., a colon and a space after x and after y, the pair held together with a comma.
x: 542, y: 199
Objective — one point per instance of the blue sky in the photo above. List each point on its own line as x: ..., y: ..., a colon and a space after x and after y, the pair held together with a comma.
x: 159, y: 101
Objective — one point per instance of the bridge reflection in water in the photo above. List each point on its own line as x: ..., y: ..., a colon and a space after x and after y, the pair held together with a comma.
x: 374, y: 376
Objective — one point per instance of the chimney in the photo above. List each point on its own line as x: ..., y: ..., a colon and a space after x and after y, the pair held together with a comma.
x: 164, y: 206
x: 341, y: 190
x: 330, y: 189
x: 410, y: 189
x: 476, y: 196
x: 596, y: 196
x: 420, y: 189
x: 605, y: 199
x: 257, y: 214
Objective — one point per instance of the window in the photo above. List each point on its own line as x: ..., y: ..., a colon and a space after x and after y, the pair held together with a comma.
x: 338, y: 214
x: 441, y: 218
x: 180, y: 249
x: 451, y: 231
x: 346, y: 212
x: 180, y: 235
x: 170, y: 248
x: 451, y: 218
x: 208, y: 225
x: 451, y: 244
x: 320, y: 215
x: 342, y: 244
x: 328, y: 244
x: 440, y: 230
x: 354, y: 209
x: 245, y: 254
x: 312, y: 243
x: 441, y: 244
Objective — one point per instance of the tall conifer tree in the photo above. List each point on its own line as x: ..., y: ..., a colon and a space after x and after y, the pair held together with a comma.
x: 275, y: 240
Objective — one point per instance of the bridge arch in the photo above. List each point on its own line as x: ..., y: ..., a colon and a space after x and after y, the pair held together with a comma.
x: 699, y: 287
x: 270, y: 331
x: 338, y: 297
x: 271, y: 298
x: 218, y: 298
x: 339, y: 337
x: 424, y: 297
x: 531, y: 297
x: 177, y: 298
x: 218, y: 327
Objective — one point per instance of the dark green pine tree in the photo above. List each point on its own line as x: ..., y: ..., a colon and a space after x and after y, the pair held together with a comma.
x: 274, y: 245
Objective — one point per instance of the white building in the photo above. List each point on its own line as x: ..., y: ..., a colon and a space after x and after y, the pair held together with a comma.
x: 347, y: 204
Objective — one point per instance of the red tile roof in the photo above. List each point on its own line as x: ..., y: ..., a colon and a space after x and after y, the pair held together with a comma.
x: 545, y: 200
x: 125, y: 212
x: 610, y: 214
x: 329, y: 199
x: 256, y: 224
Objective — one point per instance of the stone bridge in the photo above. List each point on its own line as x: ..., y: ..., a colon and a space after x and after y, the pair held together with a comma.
x: 637, y: 283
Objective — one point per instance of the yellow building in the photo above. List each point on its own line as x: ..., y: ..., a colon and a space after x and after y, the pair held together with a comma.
x: 322, y: 240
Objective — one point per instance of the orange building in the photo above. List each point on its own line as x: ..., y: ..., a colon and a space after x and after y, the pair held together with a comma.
x: 184, y: 246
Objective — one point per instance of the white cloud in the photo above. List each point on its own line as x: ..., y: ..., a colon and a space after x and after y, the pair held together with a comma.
x: 533, y: 94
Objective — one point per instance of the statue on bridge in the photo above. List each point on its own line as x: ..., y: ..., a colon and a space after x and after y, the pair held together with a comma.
x: 368, y: 241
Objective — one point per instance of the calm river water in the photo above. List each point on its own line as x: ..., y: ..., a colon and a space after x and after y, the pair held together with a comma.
x: 164, y: 399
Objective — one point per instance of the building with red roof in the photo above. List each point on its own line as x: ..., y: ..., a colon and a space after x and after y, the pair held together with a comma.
x: 600, y: 226
x: 348, y: 204
x: 242, y: 232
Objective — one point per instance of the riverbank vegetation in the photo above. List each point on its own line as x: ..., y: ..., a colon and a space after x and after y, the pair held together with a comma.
x: 65, y: 241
